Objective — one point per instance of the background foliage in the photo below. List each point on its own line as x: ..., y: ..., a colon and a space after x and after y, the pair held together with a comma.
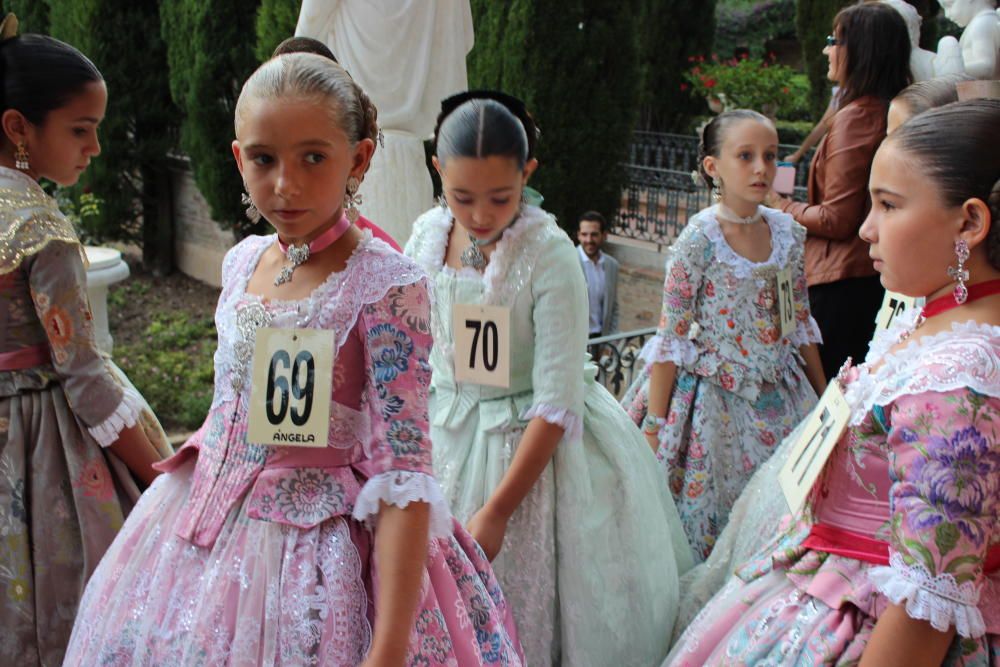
x: 276, y: 20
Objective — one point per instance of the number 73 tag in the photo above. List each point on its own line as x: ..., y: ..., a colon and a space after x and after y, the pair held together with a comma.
x: 482, y: 344
x: 823, y: 428
x: 786, y: 301
x: 292, y: 385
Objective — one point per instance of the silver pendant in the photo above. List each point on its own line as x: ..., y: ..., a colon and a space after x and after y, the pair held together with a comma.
x: 296, y: 255
x: 473, y: 257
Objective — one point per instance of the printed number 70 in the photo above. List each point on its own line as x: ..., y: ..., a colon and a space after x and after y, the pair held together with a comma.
x: 491, y: 343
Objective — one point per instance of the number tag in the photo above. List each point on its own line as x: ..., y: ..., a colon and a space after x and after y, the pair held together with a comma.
x: 786, y: 302
x: 292, y: 384
x: 893, y: 305
x: 482, y: 344
x: 808, y: 455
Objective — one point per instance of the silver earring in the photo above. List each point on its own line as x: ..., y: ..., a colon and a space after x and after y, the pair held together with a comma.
x: 961, y: 274
x: 717, y: 191
x: 252, y: 213
x: 352, y: 199
x: 21, y: 157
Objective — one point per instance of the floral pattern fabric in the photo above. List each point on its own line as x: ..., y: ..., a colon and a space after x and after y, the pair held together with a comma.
x: 740, y: 387
x: 922, y: 473
x: 270, y: 549
x: 62, y: 495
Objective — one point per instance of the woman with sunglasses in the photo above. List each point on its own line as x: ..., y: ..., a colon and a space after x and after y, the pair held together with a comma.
x: 869, y: 54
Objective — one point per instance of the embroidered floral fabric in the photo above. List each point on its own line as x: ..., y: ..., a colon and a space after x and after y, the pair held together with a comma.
x: 921, y: 472
x: 591, y: 555
x: 740, y: 386
x: 248, y: 554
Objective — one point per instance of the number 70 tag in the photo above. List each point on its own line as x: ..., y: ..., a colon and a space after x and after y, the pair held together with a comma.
x: 807, y: 457
x: 482, y: 344
x: 292, y: 384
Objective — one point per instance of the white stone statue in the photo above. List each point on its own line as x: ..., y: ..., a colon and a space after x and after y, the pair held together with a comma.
x: 408, y: 55
x: 921, y: 60
x: 977, y: 53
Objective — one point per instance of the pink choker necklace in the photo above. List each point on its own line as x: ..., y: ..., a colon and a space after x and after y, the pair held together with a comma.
x: 298, y: 254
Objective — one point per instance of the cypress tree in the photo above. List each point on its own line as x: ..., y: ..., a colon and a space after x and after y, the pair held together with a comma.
x: 210, y: 52
x: 574, y: 64
x: 813, y: 22
x: 130, y: 175
x: 276, y: 20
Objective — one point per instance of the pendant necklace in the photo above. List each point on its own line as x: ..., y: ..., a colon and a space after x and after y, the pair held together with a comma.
x: 473, y: 257
x: 298, y: 254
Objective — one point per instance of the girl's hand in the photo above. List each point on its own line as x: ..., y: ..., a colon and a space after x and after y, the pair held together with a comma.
x: 775, y: 200
x: 488, y: 529
x: 653, y: 440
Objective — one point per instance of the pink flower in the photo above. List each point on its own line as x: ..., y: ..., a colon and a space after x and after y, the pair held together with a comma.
x: 95, y: 480
x: 727, y: 381
x: 684, y: 86
x: 710, y: 83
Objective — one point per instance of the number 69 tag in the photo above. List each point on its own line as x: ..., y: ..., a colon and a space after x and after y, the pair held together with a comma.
x: 482, y: 344
x: 292, y: 384
x: 807, y: 457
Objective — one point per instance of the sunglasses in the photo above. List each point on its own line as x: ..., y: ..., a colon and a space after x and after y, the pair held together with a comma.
x: 832, y: 41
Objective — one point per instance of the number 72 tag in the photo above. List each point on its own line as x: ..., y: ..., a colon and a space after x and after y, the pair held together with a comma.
x: 482, y: 344
x: 292, y: 384
x: 824, y: 427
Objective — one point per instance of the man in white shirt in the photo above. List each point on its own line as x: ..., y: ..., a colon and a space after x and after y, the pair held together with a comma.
x: 601, y: 272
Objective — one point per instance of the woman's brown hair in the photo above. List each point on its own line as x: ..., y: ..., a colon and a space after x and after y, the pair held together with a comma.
x: 876, y: 51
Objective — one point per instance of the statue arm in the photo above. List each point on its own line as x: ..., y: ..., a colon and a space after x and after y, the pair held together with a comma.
x: 980, y: 49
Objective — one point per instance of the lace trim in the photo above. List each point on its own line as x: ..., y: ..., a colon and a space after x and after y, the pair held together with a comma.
x: 806, y: 334
x: 782, y: 241
x: 124, y: 416
x: 430, y: 239
x: 569, y: 421
x: 968, y: 356
x: 400, y: 488
x: 659, y: 349
x: 940, y: 600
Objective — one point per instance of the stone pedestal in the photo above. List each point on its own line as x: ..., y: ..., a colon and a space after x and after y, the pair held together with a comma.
x: 106, y: 268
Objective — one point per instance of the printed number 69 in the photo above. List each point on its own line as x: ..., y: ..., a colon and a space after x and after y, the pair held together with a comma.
x: 278, y: 381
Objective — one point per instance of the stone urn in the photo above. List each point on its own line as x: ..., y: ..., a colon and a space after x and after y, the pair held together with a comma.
x: 106, y: 268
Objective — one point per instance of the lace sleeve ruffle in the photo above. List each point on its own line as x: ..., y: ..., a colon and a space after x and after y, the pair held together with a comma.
x: 570, y: 422
x: 400, y: 488
x: 806, y: 333
x: 940, y: 599
x: 660, y: 348
x: 124, y: 416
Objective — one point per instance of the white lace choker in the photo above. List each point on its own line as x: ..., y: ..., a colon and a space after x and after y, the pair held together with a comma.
x: 727, y: 214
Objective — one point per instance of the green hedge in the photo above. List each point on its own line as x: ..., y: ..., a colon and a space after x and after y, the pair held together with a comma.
x: 752, y: 26
x: 814, y: 21
x: 210, y: 52
x: 276, y: 20
x: 574, y: 63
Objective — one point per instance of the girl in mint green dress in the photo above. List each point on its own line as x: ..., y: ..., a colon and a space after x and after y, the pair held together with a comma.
x: 549, y: 474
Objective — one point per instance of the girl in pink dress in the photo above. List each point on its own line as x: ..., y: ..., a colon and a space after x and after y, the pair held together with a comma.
x: 894, y: 560
x: 248, y: 554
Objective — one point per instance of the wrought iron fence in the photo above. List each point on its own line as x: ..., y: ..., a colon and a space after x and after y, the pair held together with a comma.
x: 617, y: 358
x: 660, y: 193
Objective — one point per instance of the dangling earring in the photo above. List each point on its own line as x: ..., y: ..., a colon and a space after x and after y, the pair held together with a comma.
x: 717, y: 189
x: 961, y: 274
x: 21, y: 157
x: 352, y: 199
x: 252, y: 213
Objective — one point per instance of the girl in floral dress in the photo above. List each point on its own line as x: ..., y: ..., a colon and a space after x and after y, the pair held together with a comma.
x: 723, y: 385
x: 73, y: 432
x: 250, y: 554
x: 894, y: 560
x: 549, y: 474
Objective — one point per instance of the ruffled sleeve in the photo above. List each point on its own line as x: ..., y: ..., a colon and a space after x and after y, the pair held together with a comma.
x: 806, y: 330
x: 944, y: 500
x: 58, y: 283
x: 397, y: 346
x: 559, y: 315
x: 679, y: 326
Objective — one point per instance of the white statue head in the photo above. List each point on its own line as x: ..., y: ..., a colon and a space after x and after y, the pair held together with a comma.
x: 911, y: 16
x: 963, y: 11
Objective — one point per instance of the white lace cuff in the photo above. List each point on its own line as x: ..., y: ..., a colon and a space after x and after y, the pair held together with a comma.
x: 806, y: 334
x: 940, y: 600
x: 400, y: 488
x: 571, y: 423
x: 659, y: 349
x: 123, y: 417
